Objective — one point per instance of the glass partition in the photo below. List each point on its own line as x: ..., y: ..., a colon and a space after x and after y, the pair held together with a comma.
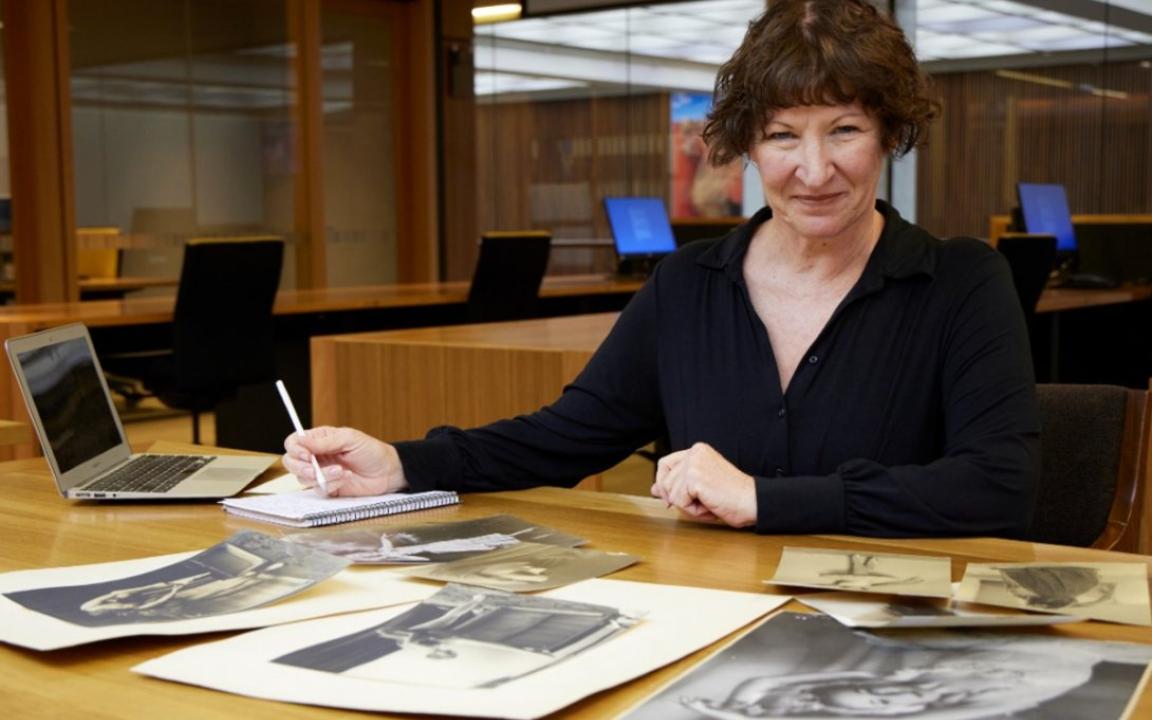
x: 359, y: 157
x: 181, y: 116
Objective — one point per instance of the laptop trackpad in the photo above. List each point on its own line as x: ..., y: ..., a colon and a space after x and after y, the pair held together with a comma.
x: 230, y: 475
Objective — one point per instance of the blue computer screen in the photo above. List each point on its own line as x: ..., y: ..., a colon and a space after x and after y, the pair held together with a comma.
x: 640, y: 225
x: 1045, y: 210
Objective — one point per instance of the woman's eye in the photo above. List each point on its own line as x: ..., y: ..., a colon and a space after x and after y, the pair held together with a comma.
x: 779, y: 136
x: 845, y: 130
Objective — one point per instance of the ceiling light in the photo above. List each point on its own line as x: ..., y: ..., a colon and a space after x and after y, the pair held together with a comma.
x: 1034, y: 78
x: 495, y: 13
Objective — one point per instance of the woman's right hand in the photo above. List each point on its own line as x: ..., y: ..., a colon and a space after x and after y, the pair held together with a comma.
x: 354, y: 463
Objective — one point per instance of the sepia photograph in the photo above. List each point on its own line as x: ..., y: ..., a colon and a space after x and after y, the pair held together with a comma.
x: 873, y: 611
x: 527, y: 567
x: 430, y: 542
x: 810, y: 666
x: 914, y: 575
x: 466, y: 637
x: 1117, y: 592
x: 246, y: 571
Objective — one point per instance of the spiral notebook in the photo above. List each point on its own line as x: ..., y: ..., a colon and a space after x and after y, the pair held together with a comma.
x: 306, y: 509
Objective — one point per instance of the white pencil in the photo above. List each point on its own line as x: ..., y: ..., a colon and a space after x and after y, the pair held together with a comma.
x: 321, y: 484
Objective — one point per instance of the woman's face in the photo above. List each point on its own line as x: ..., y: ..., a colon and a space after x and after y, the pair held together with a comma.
x: 819, y: 165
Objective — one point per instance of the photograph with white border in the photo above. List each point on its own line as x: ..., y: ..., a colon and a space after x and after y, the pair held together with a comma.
x: 66, y: 589
x: 675, y: 621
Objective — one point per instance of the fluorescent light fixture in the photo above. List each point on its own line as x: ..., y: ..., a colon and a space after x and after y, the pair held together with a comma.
x: 495, y: 13
x: 1105, y: 92
x: 1034, y: 78
x: 489, y: 83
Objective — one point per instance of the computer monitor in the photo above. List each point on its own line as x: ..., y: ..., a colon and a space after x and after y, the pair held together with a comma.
x: 1044, y: 208
x: 640, y: 227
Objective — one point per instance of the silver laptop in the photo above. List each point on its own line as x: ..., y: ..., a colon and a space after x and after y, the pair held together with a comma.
x: 83, y: 440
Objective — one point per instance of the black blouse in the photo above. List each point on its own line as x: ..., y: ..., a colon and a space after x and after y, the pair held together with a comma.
x: 912, y: 414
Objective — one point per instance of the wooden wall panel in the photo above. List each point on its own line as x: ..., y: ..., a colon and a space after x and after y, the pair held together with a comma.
x: 998, y: 130
x: 546, y: 165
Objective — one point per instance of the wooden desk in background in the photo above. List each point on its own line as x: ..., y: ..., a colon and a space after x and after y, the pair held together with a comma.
x: 15, y: 433
x: 398, y: 384
x: 299, y: 314
x: 105, y: 288
x: 43, y: 530
x: 1055, y: 300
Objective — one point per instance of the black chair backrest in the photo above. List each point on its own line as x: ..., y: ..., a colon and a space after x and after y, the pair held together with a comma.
x: 506, y: 282
x: 1031, y: 258
x: 1082, y: 434
x: 686, y: 230
x: 222, y: 327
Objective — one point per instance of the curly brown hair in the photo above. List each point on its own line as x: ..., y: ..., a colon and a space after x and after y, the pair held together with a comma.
x: 819, y: 52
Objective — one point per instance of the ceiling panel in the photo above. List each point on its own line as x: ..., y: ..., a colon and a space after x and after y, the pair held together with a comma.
x: 708, y: 31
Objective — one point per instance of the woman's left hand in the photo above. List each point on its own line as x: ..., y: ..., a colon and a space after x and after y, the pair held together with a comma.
x: 701, y: 483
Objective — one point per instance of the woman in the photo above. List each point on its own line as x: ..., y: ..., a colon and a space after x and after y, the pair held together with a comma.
x: 827, y: 367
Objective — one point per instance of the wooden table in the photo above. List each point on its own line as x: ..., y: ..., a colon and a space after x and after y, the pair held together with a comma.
x: 43, y: 530
x: 300, y: 314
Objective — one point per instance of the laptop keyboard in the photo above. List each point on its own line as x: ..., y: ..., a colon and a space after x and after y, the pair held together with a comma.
x: 150, y: 473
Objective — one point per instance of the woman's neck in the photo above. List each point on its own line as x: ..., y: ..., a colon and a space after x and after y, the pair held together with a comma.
x: 821, y: 259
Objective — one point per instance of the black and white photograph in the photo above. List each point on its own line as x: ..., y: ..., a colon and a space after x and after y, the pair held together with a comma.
x: 430, y: 542
x: 875, y: 611
x: 1117, y: 592
x: 914, y: 575
x: 470, y: 651
x: 810, y: 666
x: 246, y: 571
x: 528, y: 567
x: 467, y: 637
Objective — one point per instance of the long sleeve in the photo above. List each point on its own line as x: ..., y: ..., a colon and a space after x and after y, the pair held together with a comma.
x: 609, y: 410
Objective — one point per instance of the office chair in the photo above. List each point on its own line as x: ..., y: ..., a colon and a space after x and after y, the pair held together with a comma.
x: 509, y: 270
x: 1093, y: 452
x: 221, y: 330
x: 686, y: 230
x: 1031, y: 257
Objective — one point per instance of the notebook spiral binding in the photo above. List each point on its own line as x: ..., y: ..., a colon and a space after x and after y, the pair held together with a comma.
x: 421, y: 501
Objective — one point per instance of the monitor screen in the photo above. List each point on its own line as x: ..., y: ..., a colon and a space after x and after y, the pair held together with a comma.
x: 640, y: 226
x: 1045, y: 210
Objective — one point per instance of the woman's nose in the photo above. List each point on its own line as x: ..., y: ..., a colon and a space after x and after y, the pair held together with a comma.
x: 814, y: 166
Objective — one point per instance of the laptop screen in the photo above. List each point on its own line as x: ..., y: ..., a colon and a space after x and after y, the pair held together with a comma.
x: 70, y: 399
x: 1045, y: 210
x: 640, y: 226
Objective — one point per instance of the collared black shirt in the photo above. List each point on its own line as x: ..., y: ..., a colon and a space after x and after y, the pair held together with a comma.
x: 912, y: 414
